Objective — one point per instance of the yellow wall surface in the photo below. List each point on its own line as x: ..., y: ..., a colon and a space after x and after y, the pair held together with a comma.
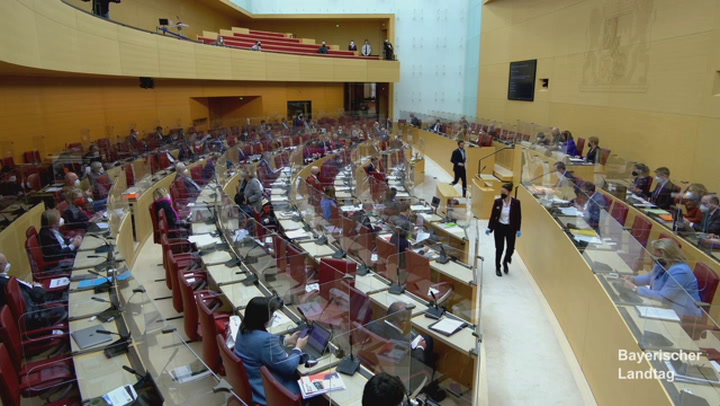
x: 643, y: 75
x: 48, y: 113
x: 145, y: 14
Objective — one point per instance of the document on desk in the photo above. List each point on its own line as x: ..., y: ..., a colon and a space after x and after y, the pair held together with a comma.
x: 657, y: 313
x: 121, y: 396
x: 203, y: 240
x: 570, y: 211
x: 311, y: 309
x: 448, y: 326
x: 297, y: 234
x: 59, y: 282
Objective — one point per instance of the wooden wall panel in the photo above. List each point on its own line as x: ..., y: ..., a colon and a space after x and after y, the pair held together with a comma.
x: 637, y: 74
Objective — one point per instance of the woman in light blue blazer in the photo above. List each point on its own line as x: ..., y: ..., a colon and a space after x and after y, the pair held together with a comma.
x: 258, y: 348
x: 670, y: 281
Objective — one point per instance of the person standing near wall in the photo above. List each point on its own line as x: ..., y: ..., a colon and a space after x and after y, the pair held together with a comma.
x: 505, y: 220
x: 458, y: 159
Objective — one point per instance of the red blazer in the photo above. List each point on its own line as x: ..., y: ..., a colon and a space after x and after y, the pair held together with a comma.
x: 314, y: 182
x: 515, y: 214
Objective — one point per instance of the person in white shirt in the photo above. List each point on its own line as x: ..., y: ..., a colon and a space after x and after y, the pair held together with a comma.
x: 366, y: 49
x: 505, y: 221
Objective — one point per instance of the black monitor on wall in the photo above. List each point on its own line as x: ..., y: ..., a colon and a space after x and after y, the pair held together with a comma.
x: 521, y: 85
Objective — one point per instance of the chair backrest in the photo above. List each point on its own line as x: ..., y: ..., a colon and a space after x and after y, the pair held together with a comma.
x: 186, y: 282
x: 154, y: 218
x: 641, y: 230
x: 34, y: 181
x: 580, y: 144
x: 418, y: 264
x: 604, y: 155
x: 608, y: 199
x: 16, y: 302
x: 196, y: 172
x: 277, y: 394
x: 129, y: 174
x: 385, y: 248
x: 280, y: 248
x: 10, y: 336
x: 62, y: 207
x: 210, y: 353
x: 235, y: 371
x: 619, y: 212
x: 707, y: 281
x: 360, y: 308
x: 296, y: 260
x: 9, y: 382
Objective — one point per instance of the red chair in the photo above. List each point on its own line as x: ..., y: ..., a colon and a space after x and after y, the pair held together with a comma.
x: 14, y: 386
x: 619, y: 212
x: 154, y: 219
x: 707, y: 284
x: 277, y: 394
x: 212, y: 323
x: 42, y: 269
x: 34, y: 181
x: 235, y: 371
x: 641, y: 230
x: 196, y: 172
x: 580, y: 144
x: 32, y: 157
x: 172, y: 273
x: 181, y: 252
x: 419, y: 279
x: 193, y: 284
x: 604, y: 155
x: 40, y: 341
x: 608, y: 200
x: 129, y: 174
x: 104, y: 185
x: 388, y: 258
x: 18, y: 307
x: 360, y: 306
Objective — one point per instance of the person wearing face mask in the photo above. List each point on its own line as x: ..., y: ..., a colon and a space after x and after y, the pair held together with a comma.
x: 54, y: 244
x: 593, y: 154
x: 690, y: 198
x: 75, y: 216
x: 257, y: 347
x: 595, y: 205
x: 505, y: 221
x: 565, y: 177
x: 671, y: 280
x: 710, y: 223
x: 183, y: 174
x: 664, y: 188
x: 641, y: 180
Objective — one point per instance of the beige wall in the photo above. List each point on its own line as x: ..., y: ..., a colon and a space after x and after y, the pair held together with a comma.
x: 640, y: 74
x: 48, y: 113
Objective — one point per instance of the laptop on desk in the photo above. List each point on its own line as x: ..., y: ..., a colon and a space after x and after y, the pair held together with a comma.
x: 317, y: 341
x: 89, y: 337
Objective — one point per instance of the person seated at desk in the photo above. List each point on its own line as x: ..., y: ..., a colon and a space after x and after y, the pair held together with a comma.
x: 595, y: 205
x: 391, y: 205
x: 671, y: 279
x: 541, y: 140
x: 664, y: 188
x: 690, y: 198
x: 34, y: 295
x: 641, y: 181
x: 257, y: 348
x: 372, y: 167
x: 399, y: 238
x: 93, y: 155
x: 183, y: 174
x: 209, y: 169
x: 362, y: 216
x: 414, y: 121
x: 593, y: 154
x: 383, y: 389
x: 556, y: 138
x: 76, y: 217
x: 436, y: 127
x: 328, y: 202
x: 568, y: 145
x: 54, y: 245
x: 163, y: 202
x: 565, y: 177
x: 711, y: 219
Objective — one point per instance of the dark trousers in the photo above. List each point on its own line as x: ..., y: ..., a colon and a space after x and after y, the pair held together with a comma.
x: 460, y: 175
x: 502, y: 233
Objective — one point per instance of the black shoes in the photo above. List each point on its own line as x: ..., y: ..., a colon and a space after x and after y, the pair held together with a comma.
x: 497, y: 272
x: 505, y: 268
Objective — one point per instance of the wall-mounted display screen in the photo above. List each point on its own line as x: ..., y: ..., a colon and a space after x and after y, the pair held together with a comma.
x: 521, y: 85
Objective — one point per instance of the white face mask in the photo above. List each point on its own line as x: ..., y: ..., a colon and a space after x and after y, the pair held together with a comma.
x: 62, y: 222
x: 185, y: 172
x: 77, y: 182
x: 7, y: 269
x: 658, y: 179
x: 704, y: 208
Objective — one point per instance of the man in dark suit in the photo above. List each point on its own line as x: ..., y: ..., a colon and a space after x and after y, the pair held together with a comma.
x: 414, y: 121
x: 436, y: 127
x: 565, y: 177
x: 393, y: 328
x: 664, y: 188
x: 595, y: 205
x: 55, y: 246
x: 193, y: 189
x: 459, y: 158
x: 711, y: 221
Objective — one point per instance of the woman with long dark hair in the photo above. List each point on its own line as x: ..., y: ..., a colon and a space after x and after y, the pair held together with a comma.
x: 257, y: 347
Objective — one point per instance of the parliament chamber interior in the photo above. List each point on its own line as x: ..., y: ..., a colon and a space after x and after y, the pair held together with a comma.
x: 246, y: 202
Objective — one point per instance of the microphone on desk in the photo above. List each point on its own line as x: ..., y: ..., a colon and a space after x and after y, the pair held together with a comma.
x: 396, y: 288
x: 107, y: 247
x: 434, y: 311
x: 134, y: 372
x: 349, y: 365
x: 117, y: 347
x: 443, y: 258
